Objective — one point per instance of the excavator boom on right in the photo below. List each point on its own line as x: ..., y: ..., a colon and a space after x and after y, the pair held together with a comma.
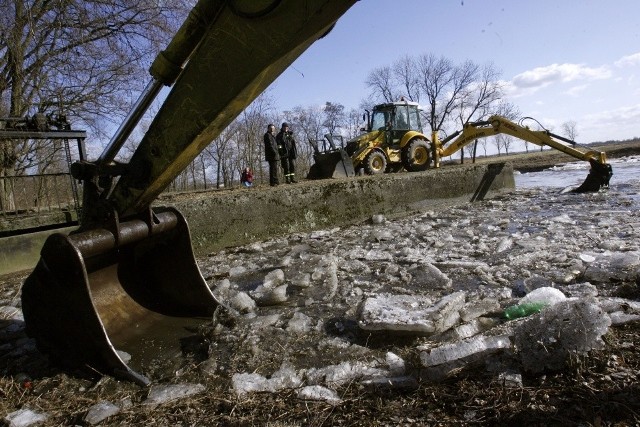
x: 599, y: 174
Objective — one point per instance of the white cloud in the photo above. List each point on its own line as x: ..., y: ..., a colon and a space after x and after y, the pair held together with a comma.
x: 629, y: 60
x: 544, y: 76
x: 576, y: 90
x: 619, y: 123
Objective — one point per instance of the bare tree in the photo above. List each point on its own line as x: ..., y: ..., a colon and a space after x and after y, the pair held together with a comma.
x: 569, y: 129
x: 334, y: 117
x: 354, y: 123
x: 405, y: 76
x: 381, y: 83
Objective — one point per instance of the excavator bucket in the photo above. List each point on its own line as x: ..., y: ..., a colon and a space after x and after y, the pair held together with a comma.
x: 113, y: 301
x: 598, y: 178
x: 331, y: 164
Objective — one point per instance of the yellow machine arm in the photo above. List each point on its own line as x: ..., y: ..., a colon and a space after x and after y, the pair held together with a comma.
x: 600, y: 169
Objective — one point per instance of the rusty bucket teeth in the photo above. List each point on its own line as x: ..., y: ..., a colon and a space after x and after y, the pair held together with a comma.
x: 96, y: 300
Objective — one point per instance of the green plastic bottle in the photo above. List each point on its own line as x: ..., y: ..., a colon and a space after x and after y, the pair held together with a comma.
x: 523, y: 310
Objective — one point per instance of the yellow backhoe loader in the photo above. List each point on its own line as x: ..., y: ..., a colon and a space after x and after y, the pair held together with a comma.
x: 112, y: 295
x: 394, y: 140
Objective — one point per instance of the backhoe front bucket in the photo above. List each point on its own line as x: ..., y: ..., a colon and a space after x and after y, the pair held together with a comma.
x: 98, y: 295
x: 331, y: 164
x: 598, y: 178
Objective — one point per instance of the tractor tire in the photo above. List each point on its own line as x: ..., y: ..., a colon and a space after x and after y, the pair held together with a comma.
x: 416, y: 156
x: 375, y: 163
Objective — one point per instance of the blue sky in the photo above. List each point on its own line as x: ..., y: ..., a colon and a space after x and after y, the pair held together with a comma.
x: 560, y: 60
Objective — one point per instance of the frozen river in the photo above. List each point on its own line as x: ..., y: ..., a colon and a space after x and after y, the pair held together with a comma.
x: 572, y: 174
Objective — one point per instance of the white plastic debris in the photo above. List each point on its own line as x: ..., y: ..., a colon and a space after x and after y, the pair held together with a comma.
x: 544, y: 342
x: 547, y: 295
x: 464, y: 350
x: 167, y: 393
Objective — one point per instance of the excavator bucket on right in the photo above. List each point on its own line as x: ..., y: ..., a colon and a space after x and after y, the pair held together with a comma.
x: 598, y: 178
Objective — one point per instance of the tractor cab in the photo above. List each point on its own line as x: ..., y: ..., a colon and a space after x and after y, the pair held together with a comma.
x: 396, y: 118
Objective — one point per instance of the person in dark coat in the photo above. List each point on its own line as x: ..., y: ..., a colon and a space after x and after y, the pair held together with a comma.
x: 288, y: 153
x: 271, y: 154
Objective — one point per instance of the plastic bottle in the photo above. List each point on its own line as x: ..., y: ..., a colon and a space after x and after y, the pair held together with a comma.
x: 523, y: 310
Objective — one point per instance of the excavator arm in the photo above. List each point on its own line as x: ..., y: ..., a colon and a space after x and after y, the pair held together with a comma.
x: 112, y: 297
x: 600, y: 172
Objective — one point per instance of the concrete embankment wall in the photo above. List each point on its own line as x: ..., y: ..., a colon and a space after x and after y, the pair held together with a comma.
x: 219, y: 219
x: 232, y: 218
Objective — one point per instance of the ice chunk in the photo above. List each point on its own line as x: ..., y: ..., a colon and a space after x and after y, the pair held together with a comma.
x: 477, y: 308
x: 273, y: 279
x: 243, y: 303
x: 581, y: 290
x: 396, y: 363
x: 299, y: 323
x: 620, y: 318
x: 410, y: 313
x: 25, y: 417
x: 504, y: 244
x: 611, y: 304
x: 467, y: 330
x: 587, y: 258
x: 101, y: 411
x: 317, y: 392
x: 249, y: 382
x: 545, y: 341
x: 509, y: 379
x: 285, y: 377
x: 270, y: 295
x: 336, y: 375
x: 378, y: 219
x: 167, y: 393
